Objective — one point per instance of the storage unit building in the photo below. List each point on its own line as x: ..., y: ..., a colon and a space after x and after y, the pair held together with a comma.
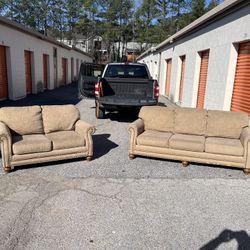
x: 31, y: 62
x: 216, y: 48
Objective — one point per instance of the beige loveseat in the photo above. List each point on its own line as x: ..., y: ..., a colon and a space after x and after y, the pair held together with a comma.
x: 37, y: 134
x: 192, y: 135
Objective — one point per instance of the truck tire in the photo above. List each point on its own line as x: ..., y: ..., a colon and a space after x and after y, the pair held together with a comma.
x: 99, y: 112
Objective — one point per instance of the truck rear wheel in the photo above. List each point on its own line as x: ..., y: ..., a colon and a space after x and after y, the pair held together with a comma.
x: 99, y: 112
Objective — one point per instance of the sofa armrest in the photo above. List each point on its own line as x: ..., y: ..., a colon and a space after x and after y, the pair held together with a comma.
x: 135, y: 129
x: 86, y: 130
x: 6, y: 144
x: 245, y: 140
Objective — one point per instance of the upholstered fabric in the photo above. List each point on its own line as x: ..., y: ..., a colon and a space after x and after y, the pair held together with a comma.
x: 176, y: 153
x: 59, y: 117
x: 187, y: 142
x: 6, y: 144
x: 190, y: 156
x: 190, y: 121
x: 245, y: 140
x: 82, y: 128
x: 226, y: 124
x: 224, y: 146
x: 22, y: 120
x: 190, y: 144
x: 158, y: 118
x: 154, y: 138
x: 135, y: 128
x: 26, y: 144
x: 53, y: 153
x: 66, y: 139
x: 86, y: 130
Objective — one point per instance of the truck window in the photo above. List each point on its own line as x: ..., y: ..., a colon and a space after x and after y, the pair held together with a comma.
x: 96, y: 71
x: 126, y: 71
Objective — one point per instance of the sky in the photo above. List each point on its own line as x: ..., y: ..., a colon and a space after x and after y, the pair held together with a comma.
x: 138, y: 3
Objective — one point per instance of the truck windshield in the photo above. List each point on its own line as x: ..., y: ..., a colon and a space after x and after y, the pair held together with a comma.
x: 126, y: 71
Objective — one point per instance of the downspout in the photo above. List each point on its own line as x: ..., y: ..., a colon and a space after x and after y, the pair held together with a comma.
x: 159, y: 67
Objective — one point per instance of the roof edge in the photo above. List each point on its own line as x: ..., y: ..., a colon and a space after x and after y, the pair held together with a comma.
x: 20, y: 27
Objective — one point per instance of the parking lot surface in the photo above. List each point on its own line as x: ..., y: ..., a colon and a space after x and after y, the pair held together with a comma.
x: 115, y: 203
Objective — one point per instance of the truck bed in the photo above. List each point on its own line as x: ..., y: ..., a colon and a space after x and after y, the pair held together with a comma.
x: 127, y: 92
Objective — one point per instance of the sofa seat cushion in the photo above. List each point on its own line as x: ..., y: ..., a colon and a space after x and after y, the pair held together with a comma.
x: 154, y: 138
x: 187, y: 142
x: 59, y: 117
x: 224, y: 146
x: 66, y: 139
x: 23, y: 120
x: 26, y: 144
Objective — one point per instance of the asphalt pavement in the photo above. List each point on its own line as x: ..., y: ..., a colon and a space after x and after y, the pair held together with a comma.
x: 115, y: 203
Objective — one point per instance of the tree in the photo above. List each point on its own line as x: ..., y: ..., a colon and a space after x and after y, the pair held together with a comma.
x: 177, y: 8
x: 198, y: 8
x: 212, y: 4
x: 145, y: 17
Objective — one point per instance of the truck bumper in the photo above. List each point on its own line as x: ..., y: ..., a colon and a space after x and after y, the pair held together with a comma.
x: 112, y: 106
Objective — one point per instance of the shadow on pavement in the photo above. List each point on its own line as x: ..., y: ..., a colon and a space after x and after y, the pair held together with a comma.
x: 227, y: 235
x: 162, y: 104
x: 126, y: 115
x: 64, y: 95
x: 47, y: 164
x: 102, y: 145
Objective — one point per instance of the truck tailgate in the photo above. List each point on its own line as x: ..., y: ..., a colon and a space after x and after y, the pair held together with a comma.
x: 124, y: 92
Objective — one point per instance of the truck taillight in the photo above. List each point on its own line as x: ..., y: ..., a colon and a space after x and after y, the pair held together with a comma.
x: 156, y: 89
x: 97, y: 89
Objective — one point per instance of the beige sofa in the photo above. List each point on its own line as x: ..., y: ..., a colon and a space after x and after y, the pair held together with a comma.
x: 37, y: 134
x: 192, y: 135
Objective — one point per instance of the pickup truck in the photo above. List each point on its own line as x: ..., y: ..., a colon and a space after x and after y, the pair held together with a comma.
x: 124, y: 85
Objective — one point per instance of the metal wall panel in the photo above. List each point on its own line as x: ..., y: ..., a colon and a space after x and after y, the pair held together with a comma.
x: 168, y: 76
x: 3, y: 74
x: 202, y: 78
x: 241, y: 91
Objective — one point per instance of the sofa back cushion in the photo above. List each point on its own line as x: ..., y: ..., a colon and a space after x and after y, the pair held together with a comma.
x: 190, y: 121
x: 158, y: 118
x: 23, y: 120
x: 226, y: 123
x: 59, y: 117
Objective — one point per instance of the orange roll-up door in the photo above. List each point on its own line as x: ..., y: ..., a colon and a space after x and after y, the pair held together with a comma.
x: 168, y: 76
x: 202, y: 79
x: 183, y: 61
x: 45, y: 71
x: 241, y: 90
x: 28, y: 76
x: 3, y: 74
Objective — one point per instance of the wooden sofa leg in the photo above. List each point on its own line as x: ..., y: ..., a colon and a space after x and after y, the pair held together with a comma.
x: 185, y: 163
x: 246, y: 171
x: 89, y: 158
x: 7, y: 169
x: 131, y: 157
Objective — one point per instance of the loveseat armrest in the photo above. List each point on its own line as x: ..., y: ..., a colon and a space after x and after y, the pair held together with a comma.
x: 245, y: 140
x: 86, y: 130
x: 135, y: 129
x: 6, y: 144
